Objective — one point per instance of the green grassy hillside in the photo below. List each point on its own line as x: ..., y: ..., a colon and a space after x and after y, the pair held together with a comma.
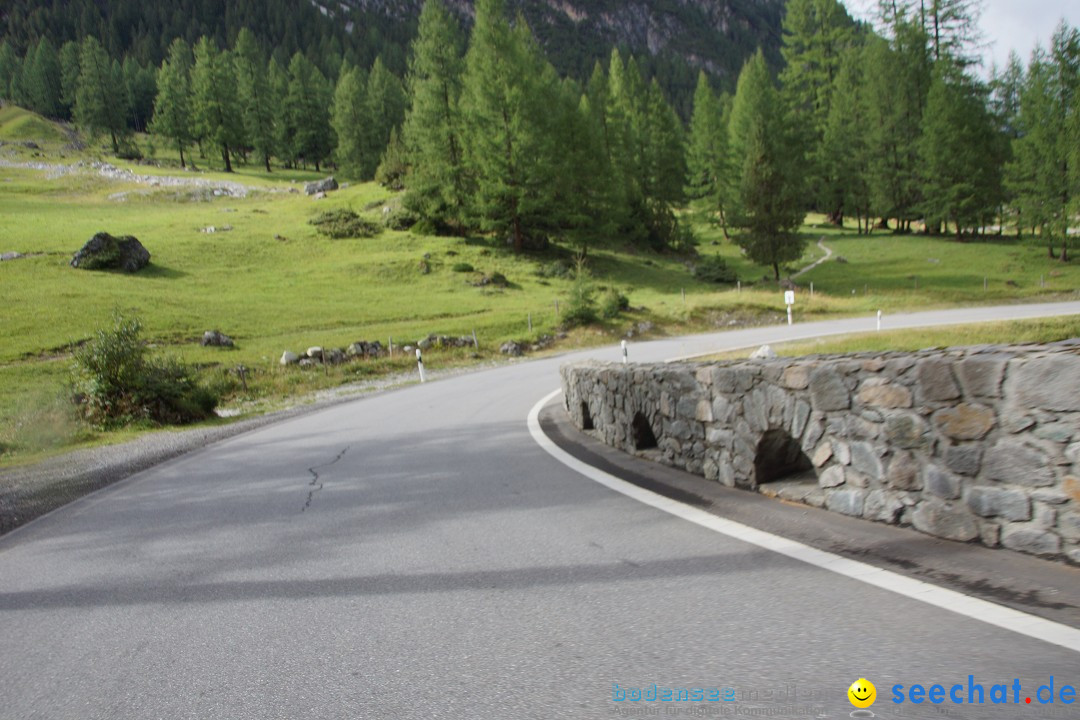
x: 273, y: 283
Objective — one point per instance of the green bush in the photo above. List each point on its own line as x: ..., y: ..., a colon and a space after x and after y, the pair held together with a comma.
x: 555, y: 269
x: 343, y: 223
x: 400, y: 219
x: 462, y: 267
x: 714, y: 269
x: 581, y: 308
x: 116, y: 381
x: 612, y: 303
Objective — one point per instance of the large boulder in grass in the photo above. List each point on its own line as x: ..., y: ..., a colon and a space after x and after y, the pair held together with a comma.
x: 321, y: 186
x: 105, y: 252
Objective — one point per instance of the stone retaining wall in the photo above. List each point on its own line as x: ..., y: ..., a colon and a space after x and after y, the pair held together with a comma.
x: 972, y: 444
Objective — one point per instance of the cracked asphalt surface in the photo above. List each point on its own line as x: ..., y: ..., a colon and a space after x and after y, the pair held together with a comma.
x: 450, y: 568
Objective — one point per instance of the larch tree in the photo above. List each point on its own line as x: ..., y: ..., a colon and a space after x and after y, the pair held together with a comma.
x: 767, y: 198
x: 215, y: 113
x: 253, y: 94
x: 507, y: 93
x: 307, y: 105
x: 959, y: 153
x: 172, y: 108
x: 432, y: 131
x: 100, y: 98
x: 816, y: 34
x: 350, y: 121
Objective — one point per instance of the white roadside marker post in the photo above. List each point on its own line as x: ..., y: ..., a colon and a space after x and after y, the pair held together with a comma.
x: 879, y: 321
x: 789, y: 300
x: 420, y: 365
x: 625, y: 360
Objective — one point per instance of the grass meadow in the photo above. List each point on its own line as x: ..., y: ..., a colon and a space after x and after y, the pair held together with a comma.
x: 273, y: 283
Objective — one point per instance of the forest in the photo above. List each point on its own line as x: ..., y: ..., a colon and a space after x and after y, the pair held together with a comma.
x: 889, y: 125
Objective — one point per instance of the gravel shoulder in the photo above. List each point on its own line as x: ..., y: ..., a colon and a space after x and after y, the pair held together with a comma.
x: 30, y: 491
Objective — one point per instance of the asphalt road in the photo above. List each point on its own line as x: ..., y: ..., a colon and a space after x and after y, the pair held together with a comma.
x: 416, y: 554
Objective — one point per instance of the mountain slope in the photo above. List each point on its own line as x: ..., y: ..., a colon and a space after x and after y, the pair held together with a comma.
x: 671, y: 38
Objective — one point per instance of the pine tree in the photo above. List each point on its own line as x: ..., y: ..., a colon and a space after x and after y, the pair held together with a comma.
x: 69, y: 76
x: 767, y: 198
x: 43, y: 80
x: 308, y: 107
x: 707, y: 152
x: 432, y: 129
x: 897, y: 80
x: 215, y: 112
x: 141, y: 85
x: 172, y: 108
x: 845, y: 142
x: 386, y: 111
x: 665, y: 149
x: 9, y: 68
x: 253, y: 94
x: 952, y: 27
x: 100, y: 98
x: 958, y: 150
x: 277, y: 79
x: 392, y: 166
x: 350, y: 121
x: 508, y: 91
x: 1042, y: 174
x: 816, y: 34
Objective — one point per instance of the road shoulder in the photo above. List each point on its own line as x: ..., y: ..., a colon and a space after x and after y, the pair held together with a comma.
x: 1027, y: 584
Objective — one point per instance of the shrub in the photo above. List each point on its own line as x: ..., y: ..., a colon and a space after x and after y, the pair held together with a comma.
x: 400, y: 219
x: 581, y: 308
x: 714, y: 269
x: 462, y: 267
x: 612, y: 303
x: 343, y: 223
x: 116, y: 381
x: 555, y: 269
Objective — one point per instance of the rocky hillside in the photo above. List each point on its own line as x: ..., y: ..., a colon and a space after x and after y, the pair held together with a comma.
x: 674, y: 38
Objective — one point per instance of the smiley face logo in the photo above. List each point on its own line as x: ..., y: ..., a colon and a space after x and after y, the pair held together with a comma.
x: 862, y: 693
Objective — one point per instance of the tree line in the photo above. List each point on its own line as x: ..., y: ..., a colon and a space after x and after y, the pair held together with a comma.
x: 891, y: 127
x: 894, y: 129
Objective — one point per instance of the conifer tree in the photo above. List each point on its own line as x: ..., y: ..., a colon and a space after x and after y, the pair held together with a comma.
x: 277, y: 78
x: 9, y: 68
x: 707, y: 153
x: 308, y: 108
x: 959, y: 152
x: 172, y: 108
x: 69, y: 76
x: 253, y: 94
x: 392, y: 165
x: 350, y: 121
x: 141, y: 85
x: 386, y: 110
x: 845, y: 141
x: 506, y: 100
x: 897, y: 80
x: 100, y: 98
x: 1042, y: 174
x: 215, y: 113
x: 767, y: 197
x: 43, y: 79
x: 432, y: 129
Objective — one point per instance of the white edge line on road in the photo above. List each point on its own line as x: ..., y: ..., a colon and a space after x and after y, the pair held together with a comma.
x: 966, y: 605
x: 813, y: 335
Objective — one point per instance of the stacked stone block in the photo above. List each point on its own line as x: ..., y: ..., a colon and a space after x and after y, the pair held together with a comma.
x: 977, y: 444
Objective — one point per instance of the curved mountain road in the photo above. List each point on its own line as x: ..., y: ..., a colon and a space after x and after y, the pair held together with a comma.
x: 416, y: 554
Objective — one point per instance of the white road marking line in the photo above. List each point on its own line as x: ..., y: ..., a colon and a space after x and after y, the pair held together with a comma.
x: 903, y: 322
x: 966, y: 605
